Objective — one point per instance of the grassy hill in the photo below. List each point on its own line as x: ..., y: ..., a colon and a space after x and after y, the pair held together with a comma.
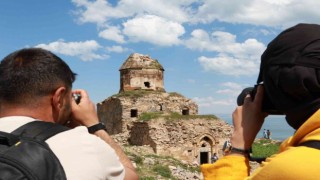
x: 153, y: 167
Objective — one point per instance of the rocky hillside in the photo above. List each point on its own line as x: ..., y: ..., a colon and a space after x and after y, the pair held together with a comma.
x: 152, y: 167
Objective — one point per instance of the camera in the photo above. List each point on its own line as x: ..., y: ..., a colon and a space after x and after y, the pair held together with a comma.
x: 267, y: 105
x: 77, y: 98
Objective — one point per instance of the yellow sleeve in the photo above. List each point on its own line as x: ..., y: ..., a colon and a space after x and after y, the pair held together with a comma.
x: 227, y: 168
x: 294, y: 163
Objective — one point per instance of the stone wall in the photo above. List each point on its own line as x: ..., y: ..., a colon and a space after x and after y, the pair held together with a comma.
x: 182, y: 139
x: 141, y: 72
x: 118, y: 109
x: 136, y: 79
x: 110, y: 113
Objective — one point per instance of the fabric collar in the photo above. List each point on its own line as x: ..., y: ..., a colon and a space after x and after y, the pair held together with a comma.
x: 310, y: 130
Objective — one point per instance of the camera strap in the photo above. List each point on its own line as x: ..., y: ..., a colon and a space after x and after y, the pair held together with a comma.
x: 312, y: 144
x: 257, y: 159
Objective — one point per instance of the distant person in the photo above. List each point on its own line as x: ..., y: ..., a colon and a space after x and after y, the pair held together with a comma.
x: 290, y: 72
x: 36, y: 85
x: 226, y: 145
x: 265, y: 135
x: 268, y: 134
x: 214, y: 158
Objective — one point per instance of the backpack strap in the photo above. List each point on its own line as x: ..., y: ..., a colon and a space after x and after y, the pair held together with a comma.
x: 8, y: 139
x: 32, y: 157
x: 39, y: 130
x: 313, y: 144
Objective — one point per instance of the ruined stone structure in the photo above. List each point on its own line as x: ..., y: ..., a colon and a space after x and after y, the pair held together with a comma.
x: 141, y: 72
x: 189, y: 140
x: 118, y: 110
x: 142, y: 91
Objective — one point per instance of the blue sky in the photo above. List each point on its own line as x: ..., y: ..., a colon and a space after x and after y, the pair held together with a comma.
x: 210, y: 49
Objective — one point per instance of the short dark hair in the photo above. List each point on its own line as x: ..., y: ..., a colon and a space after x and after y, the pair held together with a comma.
x: 31, y: 73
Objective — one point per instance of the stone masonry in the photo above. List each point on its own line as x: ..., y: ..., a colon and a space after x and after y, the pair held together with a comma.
x: 118, y: 109
x: 189, y: 140
x: 142, y: 91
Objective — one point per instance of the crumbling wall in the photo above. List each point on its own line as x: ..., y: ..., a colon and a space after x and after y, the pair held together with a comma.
x: 137, y: 79
x: 110, y: 113
x: 140, y: 136
x: 158, y: 102
x: 181, y: 139
x: 116, y: 110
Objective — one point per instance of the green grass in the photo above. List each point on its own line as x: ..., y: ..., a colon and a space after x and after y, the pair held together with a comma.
x: 175, y: 94
x: 177, y: 116
x: 147, y: 178
x: 175, y: 162
x: 160, y: 166
x: 134, y: 93
x: 265, y: 148
x: 163, y: 171
x: 142, y: 93
x: 147, y: 116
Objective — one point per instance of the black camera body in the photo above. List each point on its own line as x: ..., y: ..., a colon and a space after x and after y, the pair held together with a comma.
x: 267, y: 105
x: 77, y: 98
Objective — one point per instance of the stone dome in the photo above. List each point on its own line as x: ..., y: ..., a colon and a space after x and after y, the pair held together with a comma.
x: 139, y: 61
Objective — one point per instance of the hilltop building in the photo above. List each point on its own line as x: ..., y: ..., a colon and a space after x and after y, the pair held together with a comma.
x: 141, y: 72
x: 141, y: 92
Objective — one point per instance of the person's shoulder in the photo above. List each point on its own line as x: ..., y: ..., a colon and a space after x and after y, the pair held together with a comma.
x: 78, y: 136
x: 10, y: 123
x: 291, y: 161
x: 82, y: 154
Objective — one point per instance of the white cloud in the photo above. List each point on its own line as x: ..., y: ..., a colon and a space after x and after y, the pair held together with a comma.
x: 117, y: 49
x: 231, y: 89
x: 233, y: 58
x: 276, y: 13
x: 211, y: 101
x: 112, y: 33
x: 85, y: 50
x: 223, y: 101
x: 99, y: 11
x: 209, y: 105
x: 175, y: 10
x: 266, y: 32
x: 228, y: 65
x: 153, y: 29
x: 232, y: 85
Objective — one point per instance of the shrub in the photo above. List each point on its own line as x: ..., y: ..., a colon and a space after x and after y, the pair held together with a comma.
x: 147, y: 178
x: 264, y: 148
x: 176, y: 116
x: 164, y: 171
x: 146, y: 116
x: 175, y: 94
x: 150, y: 115
x: 138, y: 159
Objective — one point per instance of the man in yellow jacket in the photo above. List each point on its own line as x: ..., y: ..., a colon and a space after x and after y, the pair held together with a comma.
x: 290, y: 74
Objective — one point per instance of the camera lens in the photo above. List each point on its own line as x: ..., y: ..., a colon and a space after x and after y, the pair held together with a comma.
x: 243, y: 94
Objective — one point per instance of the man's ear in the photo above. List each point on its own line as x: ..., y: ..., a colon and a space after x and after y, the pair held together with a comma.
x: 58, y: 98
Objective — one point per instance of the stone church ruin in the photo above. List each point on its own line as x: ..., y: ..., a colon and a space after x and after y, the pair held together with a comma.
x: 190, y: 137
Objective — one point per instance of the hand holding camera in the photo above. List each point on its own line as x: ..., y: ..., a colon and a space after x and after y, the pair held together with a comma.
x: 267, y: 105
x: 248, y: 118
x: 76, y: 97
x: 83, y: 109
